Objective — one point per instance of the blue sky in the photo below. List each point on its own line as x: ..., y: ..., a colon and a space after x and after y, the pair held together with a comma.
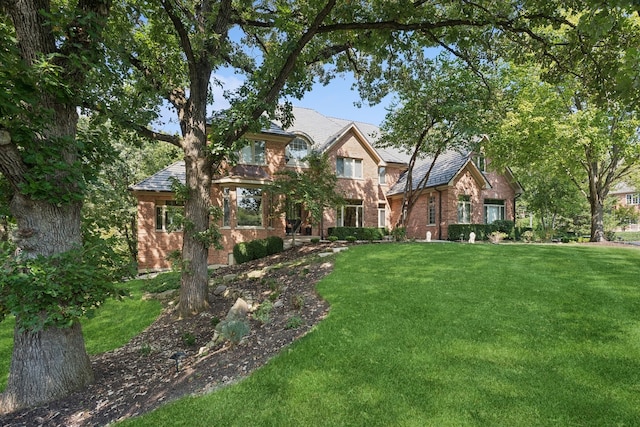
x: 334, y: 100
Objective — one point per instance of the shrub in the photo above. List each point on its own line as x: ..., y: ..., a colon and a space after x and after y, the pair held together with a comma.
x: 399, y: 234
x: 504, y: 226
x: 263, y: 313
x: 233, y: 330
x: 258, y: 248
x: 350, y: 239
x: 189, y: 339
x: 332, y: 238
x: 274, y: 244
x: 497, y: 236
x: 315, y: 240
x: 457, y: 230
x: 360, y: 233
x: 242, y: 252
x: 294, y: 322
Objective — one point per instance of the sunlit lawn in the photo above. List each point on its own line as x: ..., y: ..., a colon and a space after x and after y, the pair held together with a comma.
x: 113, y: 326
x: 453, y: 335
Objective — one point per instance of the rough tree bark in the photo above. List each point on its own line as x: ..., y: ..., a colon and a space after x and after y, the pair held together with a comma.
x: 52, y: 362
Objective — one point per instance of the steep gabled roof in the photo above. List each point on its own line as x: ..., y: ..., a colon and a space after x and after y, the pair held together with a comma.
x: 447, y: 166
x: 324, y: 131
x: 161, y: 181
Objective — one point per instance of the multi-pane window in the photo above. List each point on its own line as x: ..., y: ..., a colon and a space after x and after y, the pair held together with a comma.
x: 633, y: 199
x: 382, y: 175
x: 226, y: 208
x: 464, y: 209
x: 347, y: 167
x: 249, y: 204
x: 350, y: 215
x: 493, y: 210
x: 297, y: 150
x: 479, y: 161
x: 169, y: 215
x: 432, y: 210
x: 382, y: 215
x: 253, y: 153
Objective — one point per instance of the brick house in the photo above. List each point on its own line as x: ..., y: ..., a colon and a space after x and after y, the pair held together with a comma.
x: 371, y: 180
x: 626, y: 195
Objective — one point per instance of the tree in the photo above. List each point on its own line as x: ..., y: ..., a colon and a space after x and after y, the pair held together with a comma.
x: 46, y: 52
x: 564, y: 127
x: 442, y: 105
x: 69, y: 56
x: 110, y: 209
x: 170, y: 51
x: 313, y: 188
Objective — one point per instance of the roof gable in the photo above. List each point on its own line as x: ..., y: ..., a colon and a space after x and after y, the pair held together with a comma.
x: 448, y: 166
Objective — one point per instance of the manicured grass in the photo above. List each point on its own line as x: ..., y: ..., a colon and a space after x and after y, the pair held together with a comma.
x: 115, y: 323
x: 628, y: 236
x: 452, y: 335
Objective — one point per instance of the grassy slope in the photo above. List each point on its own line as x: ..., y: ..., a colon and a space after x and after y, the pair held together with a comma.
x: 446, y: 334
x: 114, y: 325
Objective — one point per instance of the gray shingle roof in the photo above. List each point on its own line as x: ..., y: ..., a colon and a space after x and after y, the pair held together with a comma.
x: 447, y: 165
x: 160, y: 181
x: 323, y: 131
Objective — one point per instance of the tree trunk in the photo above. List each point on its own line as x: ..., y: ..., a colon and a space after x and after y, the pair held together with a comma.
x: 46, y: 365
x: 597, y: 218
x: 51, y: 363
x: 195, y: 248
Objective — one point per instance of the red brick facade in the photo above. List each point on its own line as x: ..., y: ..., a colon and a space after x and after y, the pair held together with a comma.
x: 366, y: 194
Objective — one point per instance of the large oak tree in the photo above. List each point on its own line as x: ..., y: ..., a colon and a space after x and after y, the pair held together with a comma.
x: 166, y: 51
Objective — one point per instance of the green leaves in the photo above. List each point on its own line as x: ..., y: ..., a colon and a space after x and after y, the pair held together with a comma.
x: 57, y: 290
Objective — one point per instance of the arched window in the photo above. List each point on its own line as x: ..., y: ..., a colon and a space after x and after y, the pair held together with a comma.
x: 297, y: 150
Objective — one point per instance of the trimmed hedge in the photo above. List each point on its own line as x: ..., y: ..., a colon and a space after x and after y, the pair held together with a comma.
x: 274, y: 244
x: 360, y: 233
x: 259, y: 248
x: 482, y: 230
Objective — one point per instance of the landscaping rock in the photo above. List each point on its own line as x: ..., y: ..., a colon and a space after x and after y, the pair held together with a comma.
x: 219, y: 290
x: 238, y: 311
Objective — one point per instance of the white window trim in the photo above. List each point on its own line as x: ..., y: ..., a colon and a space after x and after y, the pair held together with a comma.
x: 354, y: 162
x: 252, y: 147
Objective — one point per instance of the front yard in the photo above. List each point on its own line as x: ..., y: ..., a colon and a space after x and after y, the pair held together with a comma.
x: 449, y: 334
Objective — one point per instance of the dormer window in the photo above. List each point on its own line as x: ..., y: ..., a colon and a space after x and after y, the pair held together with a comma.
x: 252, y: 153
x: 479, y: 161
x: 297, y: 150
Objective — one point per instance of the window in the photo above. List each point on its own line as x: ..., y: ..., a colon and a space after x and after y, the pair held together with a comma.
x: 253, y: 153
x: 249, y: 203
x: 350, y: 215
x: 464, y: 210
x: 349, y: 168
x: 226, y: 208
x: 493, y: 210
x: 382, y: 175
x: 479, y: 161
x: 432, y: 210
x: 633, y: 199
x: 297, y: 150
x: 169, y: 216
x: 382, y: 215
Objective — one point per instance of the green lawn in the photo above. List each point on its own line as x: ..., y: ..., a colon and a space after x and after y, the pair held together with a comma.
x: 453, y: 335
x: 114, y: 325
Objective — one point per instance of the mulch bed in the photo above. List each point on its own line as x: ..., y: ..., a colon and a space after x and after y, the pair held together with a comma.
x: 141, y: 376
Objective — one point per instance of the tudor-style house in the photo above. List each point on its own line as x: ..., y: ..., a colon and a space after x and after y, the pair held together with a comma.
x: 460, y: 189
